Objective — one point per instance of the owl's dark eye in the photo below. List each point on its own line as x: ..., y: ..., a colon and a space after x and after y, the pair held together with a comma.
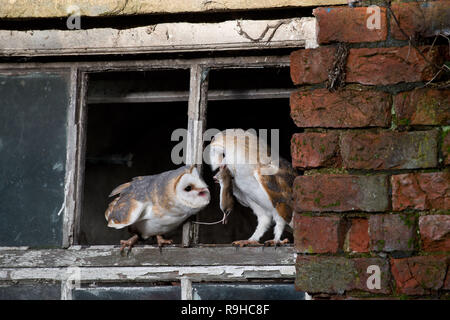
x: 188, y: 188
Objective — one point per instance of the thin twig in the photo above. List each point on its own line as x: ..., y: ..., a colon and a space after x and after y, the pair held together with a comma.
x: 263, y: 34
x: 413, y: 44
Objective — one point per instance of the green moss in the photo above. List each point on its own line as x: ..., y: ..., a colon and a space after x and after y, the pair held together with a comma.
x: 428, y: 106
x: 322, y: 148
x: 404, y: 122
x: 408, y: 220
x: 334, y: 204
x: 380, y: 245
x: 411, y: 243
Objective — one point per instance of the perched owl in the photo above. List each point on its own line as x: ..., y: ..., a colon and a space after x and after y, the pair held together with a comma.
x: 154, y: 205
x: 259, y: 182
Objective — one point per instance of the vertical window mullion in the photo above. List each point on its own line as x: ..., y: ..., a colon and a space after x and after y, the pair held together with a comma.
x: 81, y: 126
x: 69, y: 192
x: 198, y: 91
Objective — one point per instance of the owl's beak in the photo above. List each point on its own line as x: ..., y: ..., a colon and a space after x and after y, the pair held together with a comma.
x: 203, y: 192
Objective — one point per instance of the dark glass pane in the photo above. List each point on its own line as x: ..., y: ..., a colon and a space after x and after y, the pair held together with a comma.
x: 30, y: 292
x: 33, y: 118
x: 129, y: 293
x: 246, y: 292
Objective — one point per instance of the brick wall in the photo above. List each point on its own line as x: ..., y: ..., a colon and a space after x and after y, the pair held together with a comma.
x: 374, y: 155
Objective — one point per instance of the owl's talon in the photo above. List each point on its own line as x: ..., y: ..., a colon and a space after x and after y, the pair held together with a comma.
x: 275, y: 243
x: 128, y: 243
x: 161, y: 241
x: 243, y: 243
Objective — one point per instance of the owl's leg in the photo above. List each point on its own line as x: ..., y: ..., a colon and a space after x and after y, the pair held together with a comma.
x: 278, y: 230
x: 129, y: 243
x: 264, y: 222
x: 161, y: 241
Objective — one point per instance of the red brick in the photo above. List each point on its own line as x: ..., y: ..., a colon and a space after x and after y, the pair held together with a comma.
x: 419, y: 275
x: 389, y: 150
x: 325, y: 274
x: 318, y: 234
x: 313, y: 150
x: 421, y: 191
x: 359, y: 235
x: 446, y: 148
x: 341, y: 109
x: 423, y: 107
x: 435, y: 232
x: 344, y: 24
x: 385, y: 66
x: 391, y: 232
x: 311, y: 65
x: 338, y: 193
x: 425, y: 19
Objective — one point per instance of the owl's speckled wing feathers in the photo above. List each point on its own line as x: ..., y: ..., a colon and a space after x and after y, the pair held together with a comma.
x: 141, y: 193
x: 128, y: 206
x: 279, y: 188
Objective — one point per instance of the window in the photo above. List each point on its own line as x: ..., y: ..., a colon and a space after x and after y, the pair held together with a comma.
x: 130, y: 119
x: 107, y: 121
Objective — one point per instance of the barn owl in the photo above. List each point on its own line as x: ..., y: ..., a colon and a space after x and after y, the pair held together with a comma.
x: 156, y: 204
x: 258, y: 181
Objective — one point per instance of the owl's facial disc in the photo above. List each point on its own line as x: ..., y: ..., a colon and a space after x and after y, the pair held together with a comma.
x: 193, y: 191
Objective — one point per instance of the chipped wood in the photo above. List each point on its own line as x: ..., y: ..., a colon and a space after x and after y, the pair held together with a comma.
x: 198, y: 90
x: 81, y: 125
x: 152, y: 274
x: 165, y: 37
x: 151, y: 64
x: 69, y: 189
x: 145, y: 256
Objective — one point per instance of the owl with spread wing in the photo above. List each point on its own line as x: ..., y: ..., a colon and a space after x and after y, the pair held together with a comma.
x: 259, y: 181
x: 154, y: 205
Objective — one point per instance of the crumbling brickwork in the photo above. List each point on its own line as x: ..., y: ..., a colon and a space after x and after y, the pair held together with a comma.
x: 374, y: 154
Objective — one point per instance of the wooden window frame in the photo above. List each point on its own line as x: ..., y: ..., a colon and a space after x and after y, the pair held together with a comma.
x: 186, y: 263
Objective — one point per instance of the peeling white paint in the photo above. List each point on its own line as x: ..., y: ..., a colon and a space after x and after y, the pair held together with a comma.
x: 165, y: 37
x: 201, y: 273
x: 66, y: 191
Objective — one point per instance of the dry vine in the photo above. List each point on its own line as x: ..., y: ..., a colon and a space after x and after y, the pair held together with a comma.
x: 412, y: 42
x: 336, y: 75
